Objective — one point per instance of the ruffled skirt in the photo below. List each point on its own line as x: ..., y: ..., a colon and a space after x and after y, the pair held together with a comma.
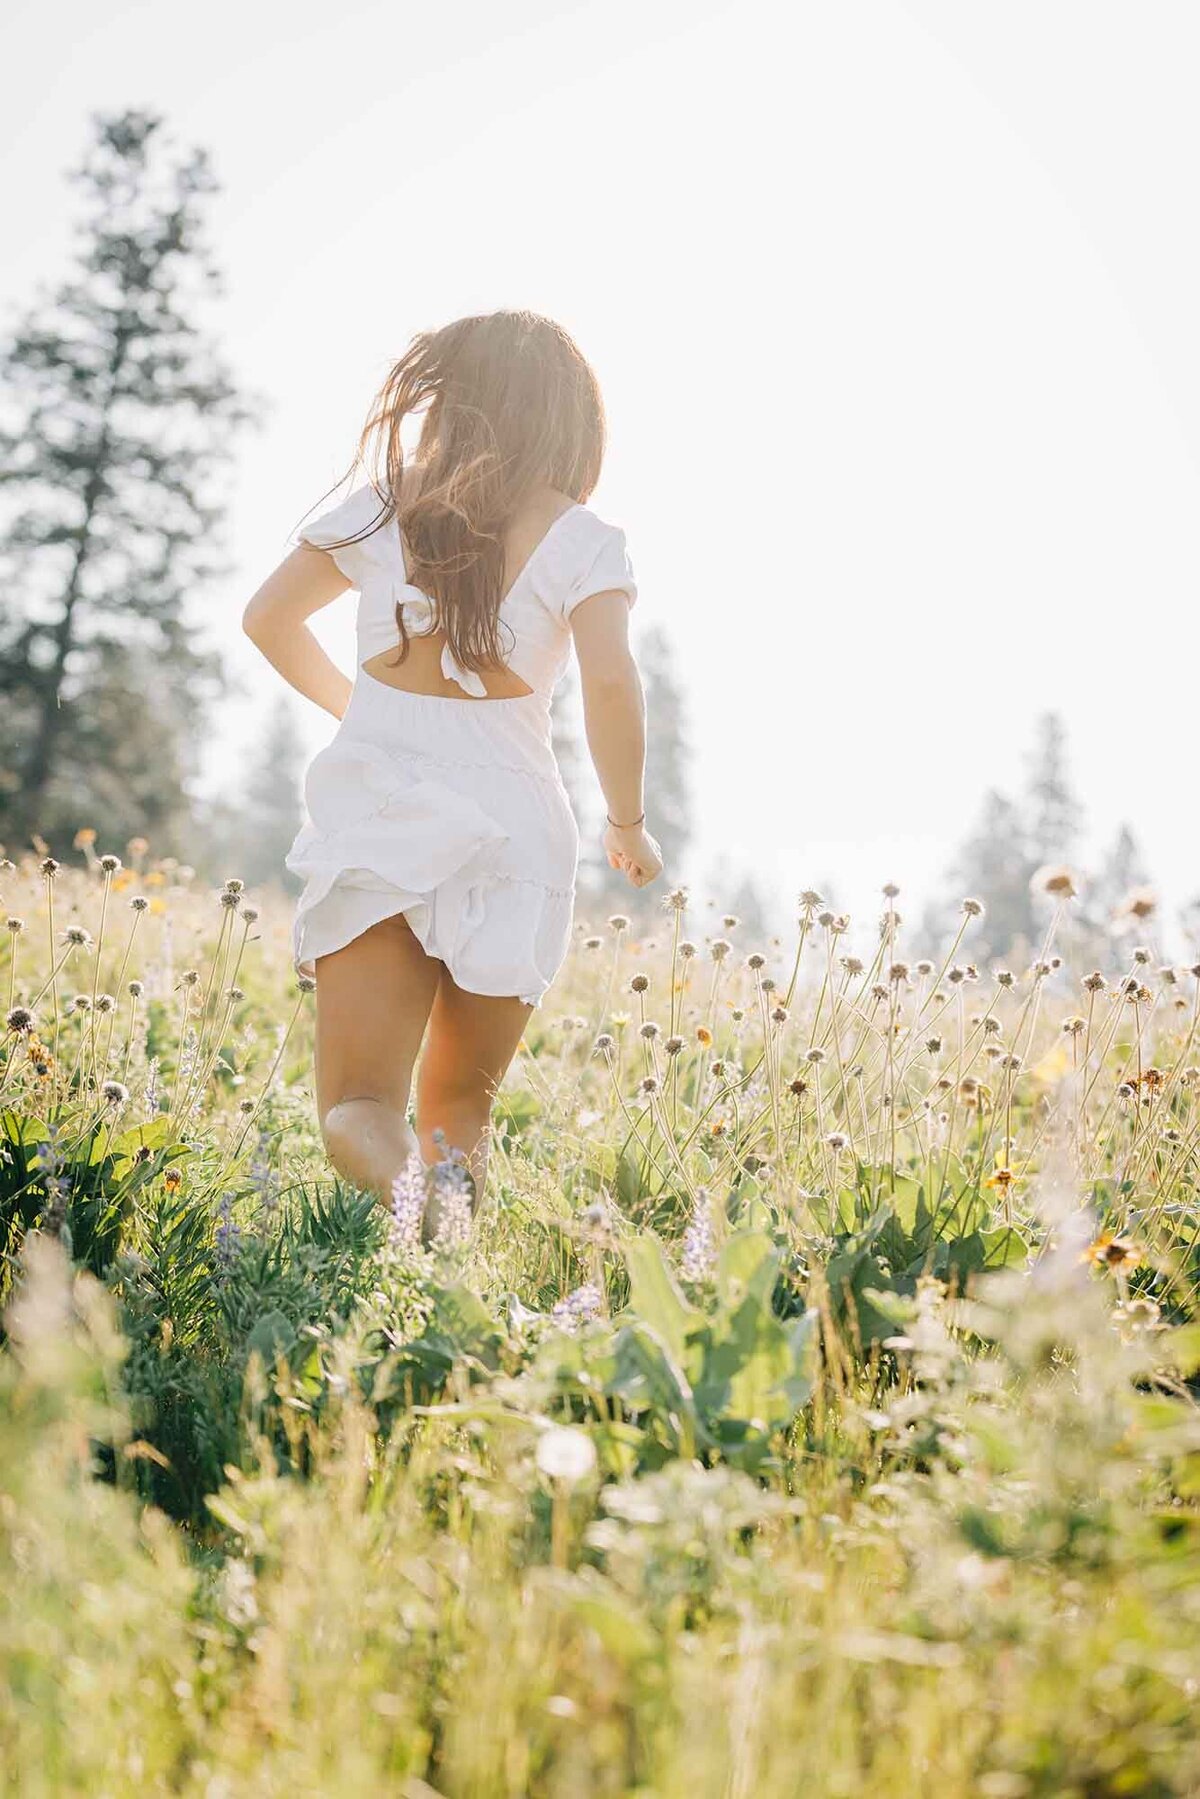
x: 453, y: 813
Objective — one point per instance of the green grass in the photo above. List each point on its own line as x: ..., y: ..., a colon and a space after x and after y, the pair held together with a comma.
x: 809, y: 1411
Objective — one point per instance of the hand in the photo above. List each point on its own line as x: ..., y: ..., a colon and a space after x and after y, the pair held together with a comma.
x: 631, y: 849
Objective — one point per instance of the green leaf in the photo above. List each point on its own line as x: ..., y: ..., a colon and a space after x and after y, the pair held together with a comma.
x: 654, y: 1296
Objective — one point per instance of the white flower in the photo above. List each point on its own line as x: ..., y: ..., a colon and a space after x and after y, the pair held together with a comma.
x: 566, y: 1454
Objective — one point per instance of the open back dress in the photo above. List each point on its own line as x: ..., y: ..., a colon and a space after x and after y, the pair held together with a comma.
x: 451, y: 812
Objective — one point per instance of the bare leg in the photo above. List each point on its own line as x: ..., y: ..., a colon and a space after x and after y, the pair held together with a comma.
x: 373, y: 1001
x: 472, y: 1040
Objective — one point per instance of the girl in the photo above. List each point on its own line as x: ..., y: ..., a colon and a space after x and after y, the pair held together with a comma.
x: 440, y: 854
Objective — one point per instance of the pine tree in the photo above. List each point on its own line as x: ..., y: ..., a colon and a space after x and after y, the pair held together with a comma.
x: 995, y: 865
x: 271, y: 811
x: 668, y: 791
x: 118, y: 418
x: 1055, y: 815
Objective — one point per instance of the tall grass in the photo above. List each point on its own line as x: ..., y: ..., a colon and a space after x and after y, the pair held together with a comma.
x: 809, y: 1410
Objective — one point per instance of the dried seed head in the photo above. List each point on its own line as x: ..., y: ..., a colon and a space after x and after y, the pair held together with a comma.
x: 1094, y: 982
x: 837, y: 1140
x: 250, y: 914
x: 933, y: 1045
x: 639, y: 983
x: 687, y: 949
x: 956, y: 976
x: 114, y: 1092
x: 20, y: 1021
x: 139, y: 903
x: 1141, y: 957
x: 898, y: 972
x: 15, y: 925
x: 811, y: 900
x: 105, y: 1003
x: 973, y: 908
x: 879, y: 992
x: 189, y: 978
x: 673, y: 1045
x: 136, y: 989
x: 991, y: 1027
x: 890, y: 890
x: 923, y: 969
x: 77, y: 937
x: 719, y: 948
x: 826, y: 920
x: 81, y: 1003
x: 234, y: 886
x: 1056, y: 880
x: 755, y: 960
x: 49, y: 867
x: 110, y: 864
x: 1005, y: 978
x: 306, y: 984
x: 229, y: 900
x: 592, y: 942
x: 649, y: 1030
x: 816, y: 1054
x: 730, y: 921
x: 648, y: 1084
x: 1141, y: 903
x: 605, y: 1043
x: 618, y: 923
x: 768, y: 984
x: 676, y: 900
x: 852, y: 965
x: 779, y: 1014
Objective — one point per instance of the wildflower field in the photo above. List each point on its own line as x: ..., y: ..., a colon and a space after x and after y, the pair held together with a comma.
x: 810, y: 1409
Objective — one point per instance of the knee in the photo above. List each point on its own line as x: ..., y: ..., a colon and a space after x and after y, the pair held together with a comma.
x: 362, y: 1133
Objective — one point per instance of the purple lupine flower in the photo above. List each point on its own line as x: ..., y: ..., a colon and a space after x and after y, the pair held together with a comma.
x: 579, y: 1307
x: 452, y: 1189
x: 228, y: 1236
x: 409, y: 1194
x: 699, y: 1245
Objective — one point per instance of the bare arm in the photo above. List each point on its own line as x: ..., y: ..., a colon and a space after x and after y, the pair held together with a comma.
x: 614, y: 713
x: 275, y: 617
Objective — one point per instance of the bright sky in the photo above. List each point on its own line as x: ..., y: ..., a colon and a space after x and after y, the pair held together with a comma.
x: 894, y: 307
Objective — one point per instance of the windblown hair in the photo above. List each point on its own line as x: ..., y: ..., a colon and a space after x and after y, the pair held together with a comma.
x: 509, y: 405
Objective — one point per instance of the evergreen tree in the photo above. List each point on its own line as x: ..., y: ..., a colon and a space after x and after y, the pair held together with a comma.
x: 1055, y: 815
x: 668, y: 791
x: 271, y: 812
x: 118, y: 417
x: 995, y: 865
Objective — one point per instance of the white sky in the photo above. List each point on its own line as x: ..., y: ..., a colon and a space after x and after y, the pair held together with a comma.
x: 894, y: 306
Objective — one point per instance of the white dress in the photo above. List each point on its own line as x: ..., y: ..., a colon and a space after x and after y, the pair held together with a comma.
x: 451, y: 811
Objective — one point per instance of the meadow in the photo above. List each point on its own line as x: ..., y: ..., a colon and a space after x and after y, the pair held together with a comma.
x: 811, y: 1408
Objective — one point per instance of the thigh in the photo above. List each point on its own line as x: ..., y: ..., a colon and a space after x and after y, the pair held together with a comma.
x: 373, y: 1001
x: 472, y: 1039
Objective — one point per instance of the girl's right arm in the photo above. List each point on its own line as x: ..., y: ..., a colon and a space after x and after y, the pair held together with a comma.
x: 275, y: 617
x: 614, y: 714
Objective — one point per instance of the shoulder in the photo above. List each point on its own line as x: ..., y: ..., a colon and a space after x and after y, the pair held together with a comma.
x: 587, y: 554
x: 361, y: 516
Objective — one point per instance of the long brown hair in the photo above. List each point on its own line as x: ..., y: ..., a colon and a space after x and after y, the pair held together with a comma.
x: 509, y: 404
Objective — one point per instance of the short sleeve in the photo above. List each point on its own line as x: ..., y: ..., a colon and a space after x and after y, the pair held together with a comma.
x: 351, y: 517
x: 607, y: 569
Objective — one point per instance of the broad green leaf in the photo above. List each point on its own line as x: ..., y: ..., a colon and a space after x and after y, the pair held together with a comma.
x: 654, y: 1296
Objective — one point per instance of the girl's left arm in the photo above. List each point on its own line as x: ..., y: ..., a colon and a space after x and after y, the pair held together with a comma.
x: 275, y: 618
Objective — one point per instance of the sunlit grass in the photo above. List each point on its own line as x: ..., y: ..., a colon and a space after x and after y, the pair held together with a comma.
x: 808, y: 1411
